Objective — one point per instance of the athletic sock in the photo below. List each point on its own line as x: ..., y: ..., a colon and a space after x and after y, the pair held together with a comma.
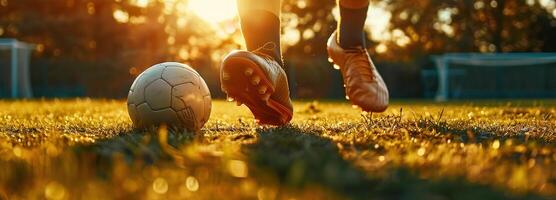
x: 351, y: 25
x: 260, y: 27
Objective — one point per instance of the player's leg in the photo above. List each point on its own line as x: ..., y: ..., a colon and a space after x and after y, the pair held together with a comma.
x: 260, y: 24
x: 256, y: 77
x: 353, y: 14
x: 364, y: 85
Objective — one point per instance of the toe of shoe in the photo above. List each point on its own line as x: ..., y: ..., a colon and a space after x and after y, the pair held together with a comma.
x: 371, y: 97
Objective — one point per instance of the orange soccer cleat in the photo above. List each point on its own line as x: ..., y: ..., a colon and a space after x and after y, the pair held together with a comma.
x: 258, y: 81
x: 364, y: 85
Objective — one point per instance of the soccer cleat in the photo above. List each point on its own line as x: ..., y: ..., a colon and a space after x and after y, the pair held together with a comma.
x: 256, y: 80
x: 364, y: 86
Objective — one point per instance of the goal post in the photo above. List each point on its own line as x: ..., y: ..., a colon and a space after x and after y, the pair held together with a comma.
x: 17, y: 68
x: 474, y: 75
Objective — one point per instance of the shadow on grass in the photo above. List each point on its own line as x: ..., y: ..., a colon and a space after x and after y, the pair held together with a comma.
x: 298, y: 159
x: 294, y: 158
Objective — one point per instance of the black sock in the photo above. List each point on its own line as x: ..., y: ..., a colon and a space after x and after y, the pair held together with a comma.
x: 351, y: 26
x: 260, y: 27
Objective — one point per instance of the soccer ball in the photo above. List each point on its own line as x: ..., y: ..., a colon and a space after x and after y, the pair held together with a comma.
x: 169, y: 93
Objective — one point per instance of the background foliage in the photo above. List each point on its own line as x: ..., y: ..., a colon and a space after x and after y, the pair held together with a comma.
x: 97, y: 47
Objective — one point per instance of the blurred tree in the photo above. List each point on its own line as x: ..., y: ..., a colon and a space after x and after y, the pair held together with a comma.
x: 101, y: 45
x: 75, y: 38
x: 436, y: 26
x: 307, y: 24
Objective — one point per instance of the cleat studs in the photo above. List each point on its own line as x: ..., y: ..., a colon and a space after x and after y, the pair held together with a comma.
x: 230, y: 99
x: 330, y: 60
x: 256, y: 80
x: 347, y: 97
x: 262, y: 89
x: 336, y: 67
x: 248, y: 72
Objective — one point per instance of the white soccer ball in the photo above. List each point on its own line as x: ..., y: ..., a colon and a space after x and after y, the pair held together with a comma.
x: 169, y: 93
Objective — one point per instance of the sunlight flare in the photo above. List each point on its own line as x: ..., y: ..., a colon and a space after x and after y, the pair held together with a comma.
x: 214, y: 11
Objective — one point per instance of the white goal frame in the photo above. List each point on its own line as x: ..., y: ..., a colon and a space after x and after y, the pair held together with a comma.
x: 487, y: 60
x: 20, y: 55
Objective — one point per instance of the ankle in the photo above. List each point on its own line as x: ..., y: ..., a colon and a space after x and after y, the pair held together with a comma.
x: 350, y: 41
x: 272, y: 51
x: 354, y: 4
x: 351, y: 27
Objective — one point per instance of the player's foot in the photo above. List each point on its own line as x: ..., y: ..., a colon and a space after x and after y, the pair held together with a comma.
x: 258, y: 81
x: 364, y: 85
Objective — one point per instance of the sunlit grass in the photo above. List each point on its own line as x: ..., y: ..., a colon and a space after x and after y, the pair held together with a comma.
x: 87, y: 149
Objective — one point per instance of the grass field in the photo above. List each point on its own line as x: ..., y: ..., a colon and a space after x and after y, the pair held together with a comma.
x: 86, y: 149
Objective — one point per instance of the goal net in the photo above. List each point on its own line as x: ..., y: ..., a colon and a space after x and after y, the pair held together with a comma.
x: 507, y: 75
x: 14, y: 69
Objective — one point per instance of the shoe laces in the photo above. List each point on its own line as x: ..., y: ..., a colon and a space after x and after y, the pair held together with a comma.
x: 262, y: 52
x: 359, y: 58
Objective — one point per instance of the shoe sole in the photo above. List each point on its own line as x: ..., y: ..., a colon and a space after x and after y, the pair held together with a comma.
x: 243, y: 81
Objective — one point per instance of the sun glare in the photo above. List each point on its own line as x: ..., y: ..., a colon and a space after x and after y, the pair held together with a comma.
x: 214, y: 11
x: 141, y: 3
x: 378, y: 19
